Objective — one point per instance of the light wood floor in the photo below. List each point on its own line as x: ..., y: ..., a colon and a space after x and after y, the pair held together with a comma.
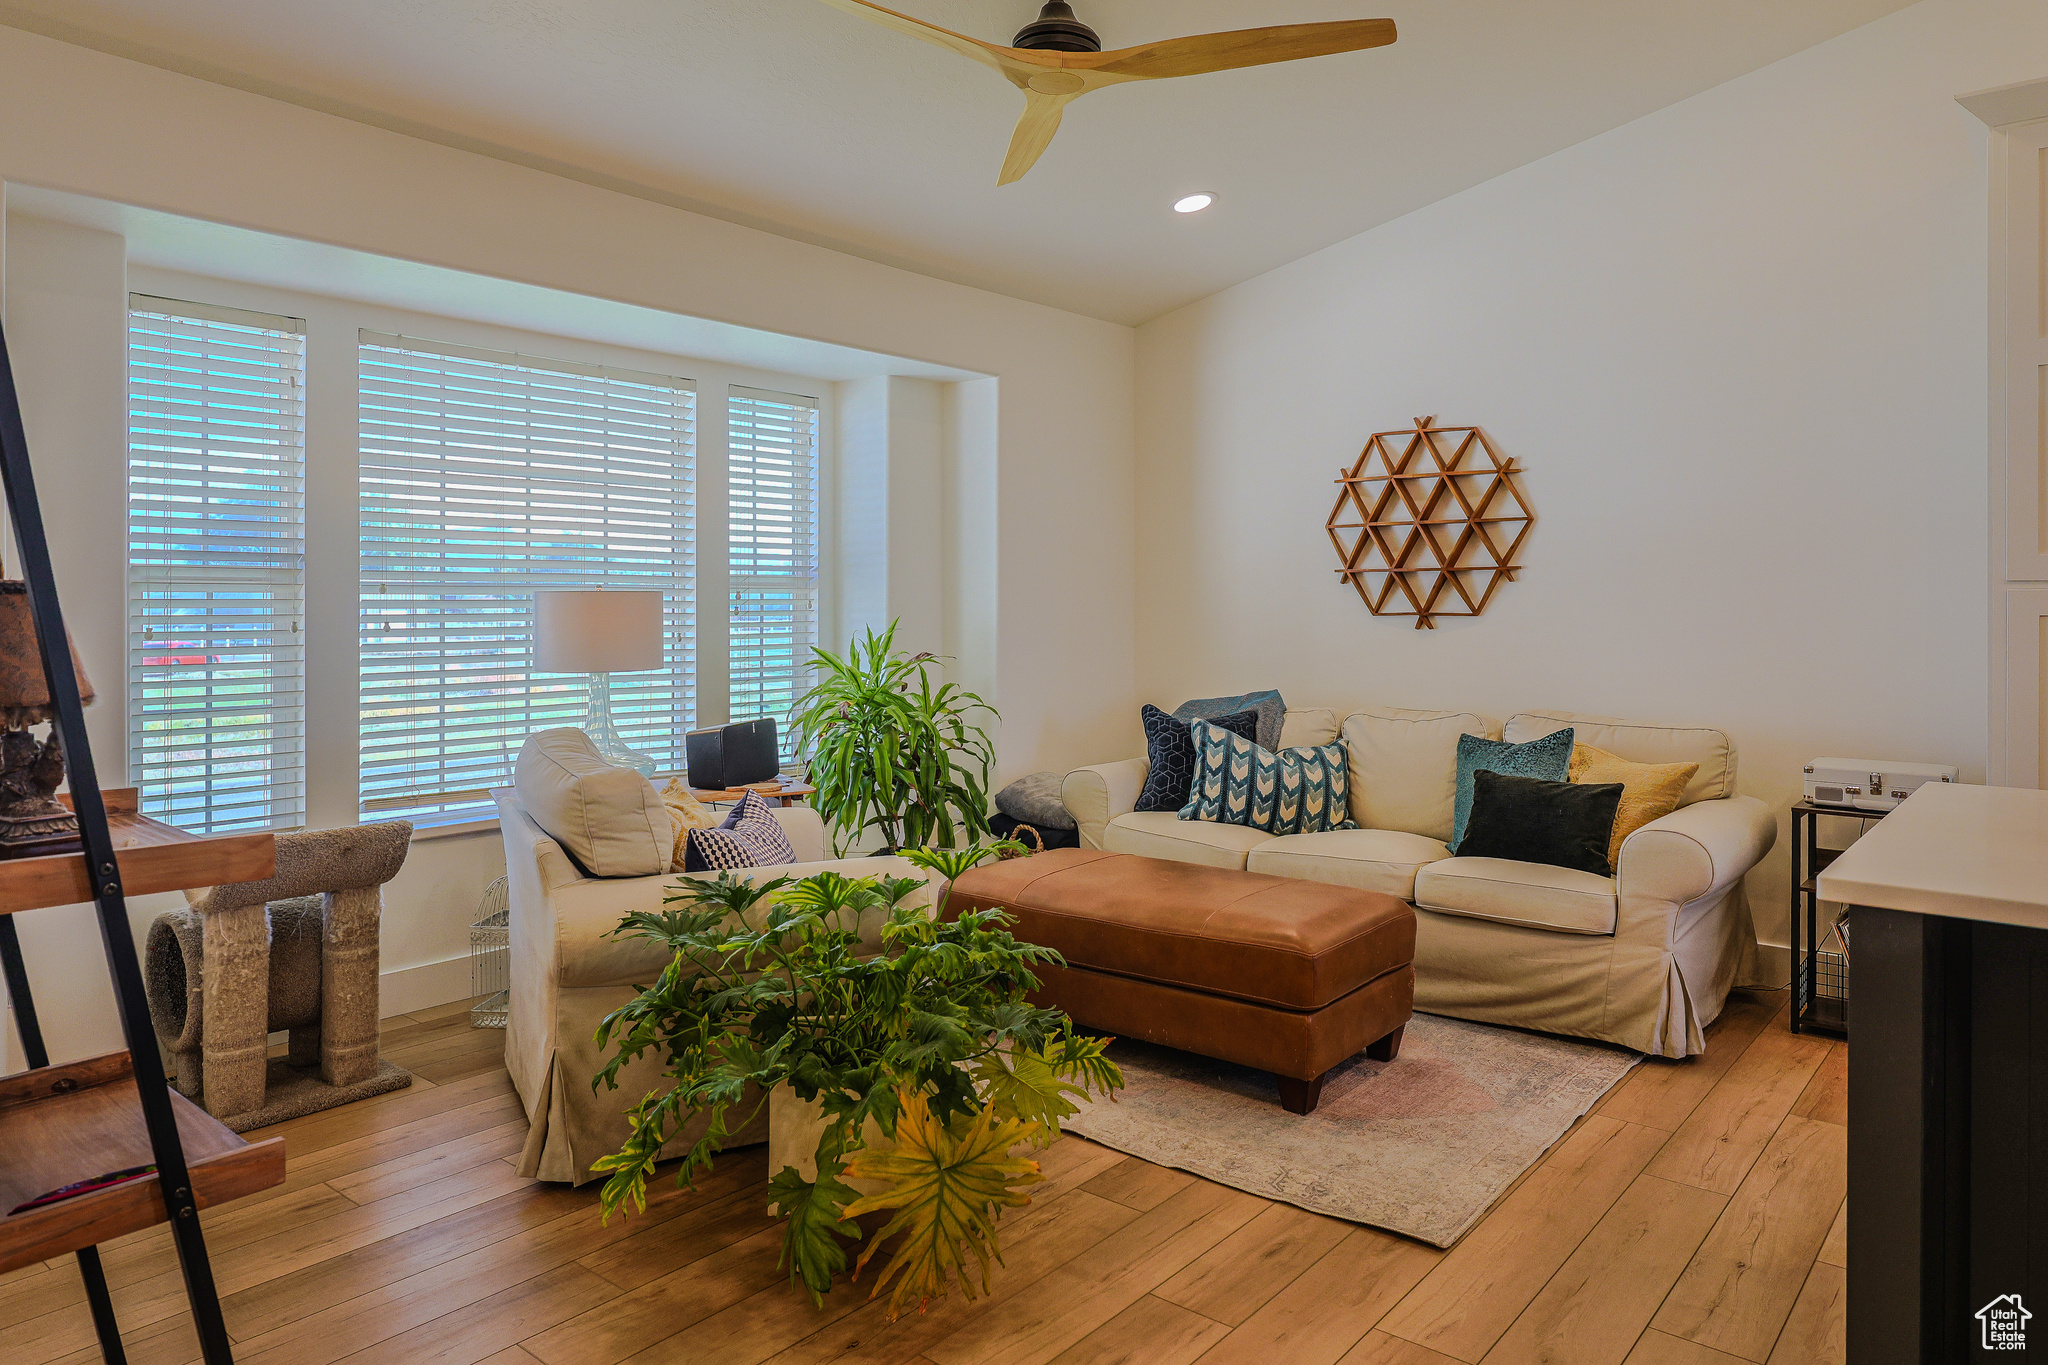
x: 1695, y: 1218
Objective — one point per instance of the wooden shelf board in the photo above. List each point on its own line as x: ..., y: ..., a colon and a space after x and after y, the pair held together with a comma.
x: 154, y: 856
x: 62, y: 1124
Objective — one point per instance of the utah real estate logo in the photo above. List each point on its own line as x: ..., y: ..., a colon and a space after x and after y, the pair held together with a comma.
x: 2005, y: 1323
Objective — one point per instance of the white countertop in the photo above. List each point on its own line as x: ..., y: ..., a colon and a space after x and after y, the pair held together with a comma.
x: 1963, y: 852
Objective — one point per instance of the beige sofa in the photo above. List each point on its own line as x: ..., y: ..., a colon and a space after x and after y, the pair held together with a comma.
x: 1644, y: 958
x: 567, y: 975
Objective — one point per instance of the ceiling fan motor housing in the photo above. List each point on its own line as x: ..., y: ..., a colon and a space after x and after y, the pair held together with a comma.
x: 1057, y: 30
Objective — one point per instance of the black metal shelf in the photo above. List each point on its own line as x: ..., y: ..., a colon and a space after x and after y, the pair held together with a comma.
x: 1813, y: 1012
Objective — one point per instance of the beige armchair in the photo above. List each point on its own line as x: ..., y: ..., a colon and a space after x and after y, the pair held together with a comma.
x: 567, y: 976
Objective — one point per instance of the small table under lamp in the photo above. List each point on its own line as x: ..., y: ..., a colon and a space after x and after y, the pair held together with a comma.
x: 600, y: 633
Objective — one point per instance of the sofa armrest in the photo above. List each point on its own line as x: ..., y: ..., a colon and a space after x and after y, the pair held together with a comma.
x: 806, y: 831
x: 1695, y: 852
x: 1095, y: 796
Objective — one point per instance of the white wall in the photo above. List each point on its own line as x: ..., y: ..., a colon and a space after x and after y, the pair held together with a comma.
x: 890, y: 478
x: 70, y: 295
x: 1042, y: 449
x: 1740, y: 347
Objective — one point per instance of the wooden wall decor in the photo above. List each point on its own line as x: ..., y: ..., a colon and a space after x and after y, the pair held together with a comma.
x: 1428, y: 522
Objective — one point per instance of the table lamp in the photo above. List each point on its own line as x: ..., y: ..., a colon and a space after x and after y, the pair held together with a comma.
x: 32, y: 820
x: 600, y: 633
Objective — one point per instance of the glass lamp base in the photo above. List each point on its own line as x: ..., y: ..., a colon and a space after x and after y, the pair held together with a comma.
x: 610, y: 744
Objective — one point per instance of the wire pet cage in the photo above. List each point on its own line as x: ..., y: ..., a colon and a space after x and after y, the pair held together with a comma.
x: 490, y: 958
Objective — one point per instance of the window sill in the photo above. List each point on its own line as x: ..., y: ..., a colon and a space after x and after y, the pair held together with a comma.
x: 452, y: 829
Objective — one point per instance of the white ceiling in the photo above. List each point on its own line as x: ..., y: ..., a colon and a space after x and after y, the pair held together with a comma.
x: 795, y: 117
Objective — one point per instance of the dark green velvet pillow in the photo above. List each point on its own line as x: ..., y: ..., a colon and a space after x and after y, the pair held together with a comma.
x: 1565, y: 824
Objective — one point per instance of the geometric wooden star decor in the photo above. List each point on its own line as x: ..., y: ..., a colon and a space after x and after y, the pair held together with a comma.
x: 1428, y: 522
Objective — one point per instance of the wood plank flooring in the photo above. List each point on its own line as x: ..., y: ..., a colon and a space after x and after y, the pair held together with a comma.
x: 1694, y: 1218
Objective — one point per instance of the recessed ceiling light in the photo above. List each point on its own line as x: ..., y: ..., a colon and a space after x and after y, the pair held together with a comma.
x: 1194, y: 203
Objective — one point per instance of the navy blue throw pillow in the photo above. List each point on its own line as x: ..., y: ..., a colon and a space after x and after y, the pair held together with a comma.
x: 1170, y: 748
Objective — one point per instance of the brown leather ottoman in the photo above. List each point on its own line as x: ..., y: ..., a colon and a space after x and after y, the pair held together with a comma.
x: 1292, y: 977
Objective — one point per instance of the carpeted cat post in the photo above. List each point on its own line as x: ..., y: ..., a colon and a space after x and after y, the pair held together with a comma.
x: 295, y: 952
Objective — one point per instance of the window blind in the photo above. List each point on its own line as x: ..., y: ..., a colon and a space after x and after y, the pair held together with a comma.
x: 485, y: 475
x: 772, y: 552
x: 216, y: 565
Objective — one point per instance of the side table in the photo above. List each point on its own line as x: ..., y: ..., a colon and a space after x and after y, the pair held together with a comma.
x: 787, y: 794
x: 1813, y: 1011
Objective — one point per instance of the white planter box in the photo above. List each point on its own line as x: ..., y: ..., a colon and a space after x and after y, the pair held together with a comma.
x: 794, y: 1127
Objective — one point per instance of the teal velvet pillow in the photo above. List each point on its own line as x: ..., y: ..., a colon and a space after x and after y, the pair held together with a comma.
x: 1304, y: 790
x: 1548, y: 759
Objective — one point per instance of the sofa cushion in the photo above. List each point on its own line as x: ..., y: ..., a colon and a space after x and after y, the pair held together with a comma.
x: 1163, y: 834
x: 1404, y: 766
x: 1643, y: 743
x: 610, y: 820
x: 586, y: 912
x: 1535, y: 895
x: 1382, y: 860
x: 1311, y: 726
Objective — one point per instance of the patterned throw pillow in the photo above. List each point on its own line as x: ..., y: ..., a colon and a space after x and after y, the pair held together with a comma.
x: 1548, y: 759
x: 1170, y: 750
x: 750, y: 837
x: 1295, y: 791
x: 1649, y: 791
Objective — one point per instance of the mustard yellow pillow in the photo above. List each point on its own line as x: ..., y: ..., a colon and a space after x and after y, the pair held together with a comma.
x: 685, y: 813
x: 1649, y: 791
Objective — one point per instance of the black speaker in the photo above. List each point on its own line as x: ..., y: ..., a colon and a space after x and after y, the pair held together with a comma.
x: 728, y: 756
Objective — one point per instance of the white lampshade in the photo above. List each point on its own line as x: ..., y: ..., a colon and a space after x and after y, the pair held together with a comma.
x: 597, y: 632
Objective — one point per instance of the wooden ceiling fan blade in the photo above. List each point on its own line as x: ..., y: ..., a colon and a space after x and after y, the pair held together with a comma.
x: 1205, y: 52
x: 988, y: 54
x: 1042, y: 114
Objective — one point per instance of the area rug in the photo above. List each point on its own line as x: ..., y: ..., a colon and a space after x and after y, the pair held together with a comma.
x: 1421, y: 1145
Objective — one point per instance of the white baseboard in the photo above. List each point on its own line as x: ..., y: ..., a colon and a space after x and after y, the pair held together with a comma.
x: 405, y: 989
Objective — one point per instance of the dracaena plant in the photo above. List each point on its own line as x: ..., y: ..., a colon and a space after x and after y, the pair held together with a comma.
x: 892, y: 749
x: 931, y: 1038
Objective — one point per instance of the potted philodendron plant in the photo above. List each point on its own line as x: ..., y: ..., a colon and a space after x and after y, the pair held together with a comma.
x: 893, y: 750
x: 928, y: 1067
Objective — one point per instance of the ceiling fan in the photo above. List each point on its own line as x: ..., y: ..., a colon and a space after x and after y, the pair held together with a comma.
x: 1057, y: 59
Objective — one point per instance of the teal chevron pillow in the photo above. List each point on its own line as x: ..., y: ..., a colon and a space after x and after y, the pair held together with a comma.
x: 1548, y: 759
x: 1294, y: 791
